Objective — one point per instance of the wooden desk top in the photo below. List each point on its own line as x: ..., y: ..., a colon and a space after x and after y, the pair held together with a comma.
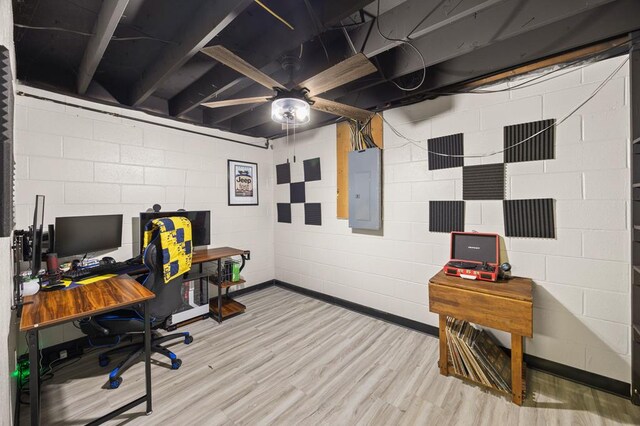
x: 201, y: 256
x: 47, y: 308
x: 515, y: 288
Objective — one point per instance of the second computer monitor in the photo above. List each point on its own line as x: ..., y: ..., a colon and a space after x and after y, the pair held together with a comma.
x: 200, y: 224
x: 79, y: 235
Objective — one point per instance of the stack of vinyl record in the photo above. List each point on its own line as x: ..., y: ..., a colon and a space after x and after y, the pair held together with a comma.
x: 475, y: 354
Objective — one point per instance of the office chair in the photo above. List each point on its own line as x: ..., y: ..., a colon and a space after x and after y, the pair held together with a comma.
x: 129, y: 322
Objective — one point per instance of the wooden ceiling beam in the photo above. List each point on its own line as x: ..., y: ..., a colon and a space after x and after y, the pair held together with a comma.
x: 105, y: 26
x: 208, y: 21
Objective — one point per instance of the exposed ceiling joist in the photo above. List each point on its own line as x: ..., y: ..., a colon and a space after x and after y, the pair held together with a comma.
x: 106, y: 24
x: 208, y: 21
x: 214, y: 83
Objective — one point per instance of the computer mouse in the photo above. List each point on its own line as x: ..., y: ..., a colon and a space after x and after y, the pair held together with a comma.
x: 107, y: 260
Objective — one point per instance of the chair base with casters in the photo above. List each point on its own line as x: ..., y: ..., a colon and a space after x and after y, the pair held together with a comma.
x: 136, y: 350
x: 129, y: 323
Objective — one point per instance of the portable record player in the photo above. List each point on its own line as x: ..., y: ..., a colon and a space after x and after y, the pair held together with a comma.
x: 474, y: 256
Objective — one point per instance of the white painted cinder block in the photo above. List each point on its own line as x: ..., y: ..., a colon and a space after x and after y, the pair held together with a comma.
x: 606, y: 305
x: 591, y: 214
x: 588, y: 273
x: 164, y: 176
x: 559, y: 104
x: 514, y: 112
x: 86, y: 149
x: 60, y: 170
x: 80, y: 193
x: 124, y: 133
x: 560, y: 186
x: 40, y: 144
x: 130, y: 154
x: 606, y: 184
x: 606, y: 245
x: 57, y: 123
x: 118, y: 173
x: 608, y: 363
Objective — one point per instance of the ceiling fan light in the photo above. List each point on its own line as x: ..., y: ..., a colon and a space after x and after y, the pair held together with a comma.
x: 291, y: 111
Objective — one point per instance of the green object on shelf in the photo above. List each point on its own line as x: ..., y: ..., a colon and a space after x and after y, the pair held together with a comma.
x: 235, y: 275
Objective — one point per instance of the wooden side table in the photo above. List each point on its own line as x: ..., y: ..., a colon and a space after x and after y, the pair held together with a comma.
x: 505, y: 305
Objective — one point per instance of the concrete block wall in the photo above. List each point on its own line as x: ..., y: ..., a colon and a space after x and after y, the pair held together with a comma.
x: 582, y: 296
x: 88, y: 163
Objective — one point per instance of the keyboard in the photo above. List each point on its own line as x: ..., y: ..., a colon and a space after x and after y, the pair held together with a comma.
x: 111, y: 268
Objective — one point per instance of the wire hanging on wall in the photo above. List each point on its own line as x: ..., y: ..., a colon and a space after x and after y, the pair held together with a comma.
x: 418, y: 143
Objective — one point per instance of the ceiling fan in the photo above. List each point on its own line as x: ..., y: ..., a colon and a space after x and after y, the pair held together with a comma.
x: 291, y: 106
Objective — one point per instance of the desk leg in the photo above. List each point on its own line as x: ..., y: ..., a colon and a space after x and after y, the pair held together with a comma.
x: 444, y: 356
x: 147, y: 354
x: 516, y: 368
x: 219, y: 290
x: 34, y: 376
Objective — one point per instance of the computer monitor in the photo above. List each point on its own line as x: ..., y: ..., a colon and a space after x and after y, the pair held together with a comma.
x: 36, y: 236
x: 200, y: 224
x: 79, y: 235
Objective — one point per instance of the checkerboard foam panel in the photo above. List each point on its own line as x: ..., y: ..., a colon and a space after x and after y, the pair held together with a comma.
x: 6, y: 144
x: 284, y: 212
x: 484, y: 182
x: 540, y: 147
x: 312, y: 170
x: 297, y: 192
x: 449, y: 145
x: 312, y: 214
x: 283, y: 173
x: 446, y: 216
x: 529, y: 218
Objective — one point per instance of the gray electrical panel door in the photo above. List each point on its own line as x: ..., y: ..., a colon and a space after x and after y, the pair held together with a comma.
x: 365, y: 189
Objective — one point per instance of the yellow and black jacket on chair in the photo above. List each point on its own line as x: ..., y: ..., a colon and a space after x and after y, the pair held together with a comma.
x: 175, y: 242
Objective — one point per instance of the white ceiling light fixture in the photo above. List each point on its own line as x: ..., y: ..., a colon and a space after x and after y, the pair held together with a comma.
x: 290, y: 111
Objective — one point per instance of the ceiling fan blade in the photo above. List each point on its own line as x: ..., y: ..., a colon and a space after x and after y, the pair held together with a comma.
x: 231, y: 102
x: 230, y: 59
x: 341, y: 73
x: 343, y: 110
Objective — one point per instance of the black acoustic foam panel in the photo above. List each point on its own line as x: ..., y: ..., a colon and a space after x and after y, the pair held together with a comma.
x: 284, y: 212
x: 297, y: 192
x: 283, y: 173
x: 312, y: 170
x: 484, y: 182
x: 529, y: 218
x: 540, y: 147
x: 446, y: 216
x: 451, y: 145
x: 6, y: 144
x: 312, y: 214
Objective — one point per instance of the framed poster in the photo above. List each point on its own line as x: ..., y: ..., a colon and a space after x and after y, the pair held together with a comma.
x: 242, y: 179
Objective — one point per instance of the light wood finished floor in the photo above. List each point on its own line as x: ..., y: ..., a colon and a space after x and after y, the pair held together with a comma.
x: 296, y: 360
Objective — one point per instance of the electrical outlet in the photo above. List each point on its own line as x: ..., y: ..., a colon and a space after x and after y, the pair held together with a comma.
x: 63, y: 354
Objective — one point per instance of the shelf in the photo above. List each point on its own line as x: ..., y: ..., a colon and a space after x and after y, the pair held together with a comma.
x: 230, y: 308
x: 226, y: 284
x: 491, y: 388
